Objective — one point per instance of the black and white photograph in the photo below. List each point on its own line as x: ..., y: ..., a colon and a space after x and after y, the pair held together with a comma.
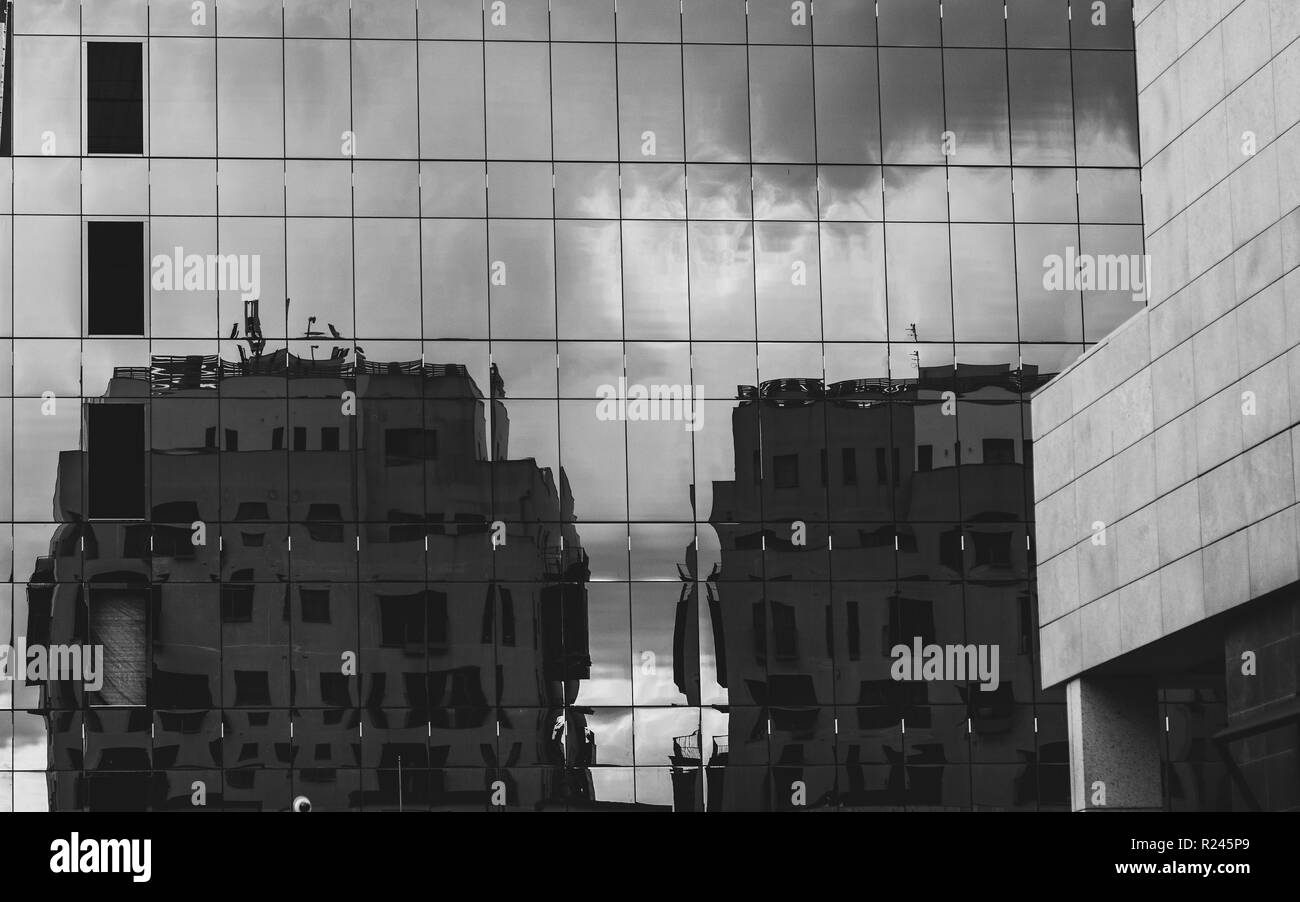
x: 651, y: 406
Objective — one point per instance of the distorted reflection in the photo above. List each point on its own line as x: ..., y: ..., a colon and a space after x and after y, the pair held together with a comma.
x: 623, y: 387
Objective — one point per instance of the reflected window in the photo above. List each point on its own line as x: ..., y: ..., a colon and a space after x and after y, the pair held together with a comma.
x: 785, y: 471
x: 409, y: 446
x: 118, y: 626
x: 849, y: 466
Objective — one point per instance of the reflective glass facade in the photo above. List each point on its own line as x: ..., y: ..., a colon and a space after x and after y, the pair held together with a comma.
x: 622, y: 388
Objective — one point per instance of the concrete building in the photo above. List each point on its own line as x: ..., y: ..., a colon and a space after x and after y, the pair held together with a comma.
x: 1167, y: 458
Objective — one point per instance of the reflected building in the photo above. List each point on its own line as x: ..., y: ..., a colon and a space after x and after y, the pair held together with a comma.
x: 317, y: 598
x: 865, y: 514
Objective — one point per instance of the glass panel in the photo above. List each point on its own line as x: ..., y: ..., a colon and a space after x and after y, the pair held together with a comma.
x: 1105, y: 110
x: 1108, y: 26
x: 316, y: 89
x: 853, y: 281
x: 313, y: 18
x: 785, y: 192
x: 1044, y: 195
x: 920, y: 305
x: 182, y: 97
x: 916, y: 193
x: 650, y: 20
x: 717, y: 104
x: 911, y: 105
x: 522, y: 278
x: 980, y: 195
x: 851, y: 192
x: 974, y: 23
x: 382, y: 18
x: 582, y: 20
x: 721, y: 281
x: 719, y: 191
x: 779, y: 22
x: 587, y: 279
x: 781, y: 104
x: 845, y: 22
x: 518, y: 101
x: 586, y: 107
x: 451, y: 19
x: 250, y: 112
x: 453, y: 189
x: 387, y: 277
x: 650, y: 102
x: 654, y: 191
x: 1038, y: 23
x: 908, y: 22
x: 848, y: 120
x: 1046, y: 313
x: 713, y: 21
x: 1042, y: 130
x: 51, y: 67
x: 1110, y: 195
x: 975, y: 84
x: 586, y: 190
x: 519, y: 189
x: 385, y: 110
x: 788, y: 280
x: 451, y: 100
x: 984, y: 288
x: 654, y: 280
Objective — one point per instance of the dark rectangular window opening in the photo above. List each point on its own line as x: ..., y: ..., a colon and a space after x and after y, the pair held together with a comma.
x: 882, y: 469
x: 116, y: 461
x: 300, y: 438
x: 115, y: 278
x: 785, y: 471
x: 252, y: 510
x: 507, y: 618
x: 114, y: 97
x: 315, y: 605
x: 329, y: 438
x: 854, y: 628
x: 232, y: 439
x: 325, y: 522
x: 236, y: 603
x: 438, y: 619
x: 409, y: 446
x: 999, y: 451
x: 785, y: 631
x: 277, y: 438
x: 401, y: 620
x: 924, y: 458
x: 993, y: 549
x: 849, y: 465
